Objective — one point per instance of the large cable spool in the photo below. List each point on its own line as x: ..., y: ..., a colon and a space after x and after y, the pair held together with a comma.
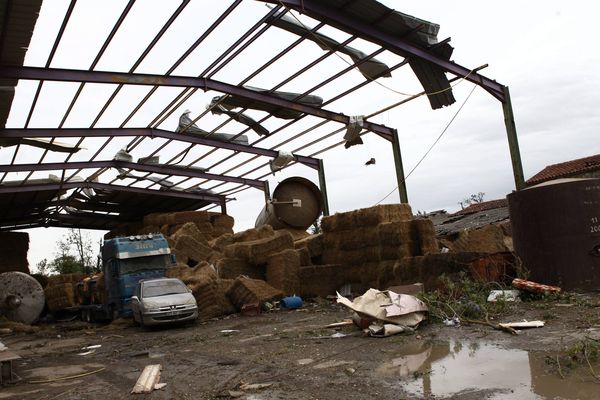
x: 296, y: 203
x: 21, y: 297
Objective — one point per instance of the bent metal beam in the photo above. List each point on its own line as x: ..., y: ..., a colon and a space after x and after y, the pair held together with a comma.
x: 152, y: 133
x: 72, y: 75
x: 152, y: 168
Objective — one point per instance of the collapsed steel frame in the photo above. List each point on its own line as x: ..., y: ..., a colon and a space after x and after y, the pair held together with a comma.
x: 324, y: 14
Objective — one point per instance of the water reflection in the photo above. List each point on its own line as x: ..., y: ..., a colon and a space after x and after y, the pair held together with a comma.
x: 482, y: 370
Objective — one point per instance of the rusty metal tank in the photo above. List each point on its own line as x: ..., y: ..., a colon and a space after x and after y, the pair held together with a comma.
x: 556, y: 232
x: 296, y: 203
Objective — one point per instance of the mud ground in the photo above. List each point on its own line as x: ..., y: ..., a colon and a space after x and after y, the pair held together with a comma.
x: 294, y: 353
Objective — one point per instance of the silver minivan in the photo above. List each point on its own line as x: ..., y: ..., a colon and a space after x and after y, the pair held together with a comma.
x: 163, y: 300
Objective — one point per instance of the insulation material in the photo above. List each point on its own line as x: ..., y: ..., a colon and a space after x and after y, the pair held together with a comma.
x: 257, y: 251
x: 352, y: 135
x: 283, y: 271
x: 246, y: 291
x: 283, y: 158
x: 366, y: 217
x: 185, y: 123
x: 231, y: 268
x: 371, y: 68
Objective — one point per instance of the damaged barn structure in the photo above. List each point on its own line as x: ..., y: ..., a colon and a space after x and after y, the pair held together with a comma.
x: 144, y: 175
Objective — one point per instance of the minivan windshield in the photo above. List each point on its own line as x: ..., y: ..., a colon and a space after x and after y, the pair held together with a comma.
x: 163, y: 288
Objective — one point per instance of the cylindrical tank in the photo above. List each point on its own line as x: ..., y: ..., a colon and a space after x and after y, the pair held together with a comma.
x: 296, y: 204
x: 556, y: 232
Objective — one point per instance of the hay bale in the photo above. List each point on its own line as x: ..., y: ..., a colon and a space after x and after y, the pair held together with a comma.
x: 231, y: 268
x: 283, y: 271
x: 351, y: 257
x: 225, y: 304
x: 313, y: 243
x: 396, y: 233
x: 190, y: 229
x: 126, y: 229
x: 395, y: 252
x: 425, y: 232
x: 204, y: 289
x: 320, y: 280
x: 176, y: 218
x: 221, y: 221
x: 352, y: 239
x: 189, y: 250
x: 60, y: 296
x: 257, y: 251
x: 14, y: 247
x: 253, y: 234
x: 65, y: 278
x: 220, y: 242
x: 366, y: 217
x: 304, y: 256
x: 215, y: 257
x: 245, y: 290
x: 297, y: 234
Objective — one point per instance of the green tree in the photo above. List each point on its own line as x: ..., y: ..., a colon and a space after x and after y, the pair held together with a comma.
x: 74, y: 253
x: 66, y: 264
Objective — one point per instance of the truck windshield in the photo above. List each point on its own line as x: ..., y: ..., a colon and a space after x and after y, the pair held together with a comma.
x: 137, y: 264
x: 163, y: 288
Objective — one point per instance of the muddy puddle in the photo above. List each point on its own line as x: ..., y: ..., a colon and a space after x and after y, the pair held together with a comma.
x: 478, y: 370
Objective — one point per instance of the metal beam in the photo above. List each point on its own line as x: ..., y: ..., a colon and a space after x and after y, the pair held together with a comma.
x: 104, y: 186
x: 513, y: 142
x: 152, y: 168
x: 152, y: 133
x: 121, y: 78
x: 323, y: 187
x: 399, y: 169
x: 396, y: 44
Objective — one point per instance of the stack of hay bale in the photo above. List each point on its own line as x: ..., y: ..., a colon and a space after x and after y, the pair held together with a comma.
x: 14, y: 247
x: 61, y: 291
x: 356, y: 245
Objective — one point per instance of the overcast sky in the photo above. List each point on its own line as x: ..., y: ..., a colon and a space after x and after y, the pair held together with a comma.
x: 543, y: 50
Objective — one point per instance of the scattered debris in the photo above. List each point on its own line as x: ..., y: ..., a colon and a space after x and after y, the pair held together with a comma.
x: 229, y: 330
x: 291, y: 302
x: 148, y: 379
x: 5, y: 331
x: 250, y: 310
x: 372, y: 161
x: 385, y: 330
x: 68, y: 377
x: 2, y: 347
x: 413, y: 289
x: 254, y: 386
x: 338, y: 335
x: 505, y: 295
x: 345, y: 322
x: 85, y: 353
x: 454, y: 321
x: 534, y: 286
x: 94, y: 346
x: 388, y: 307
x: 353, y: 129
x: 523, y: 324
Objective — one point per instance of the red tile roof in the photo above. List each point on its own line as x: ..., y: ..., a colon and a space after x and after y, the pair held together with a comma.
x: 566, y: 169
x: 484, y: 206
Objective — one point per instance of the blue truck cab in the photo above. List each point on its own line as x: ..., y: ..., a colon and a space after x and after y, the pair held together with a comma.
x: 128, y: 260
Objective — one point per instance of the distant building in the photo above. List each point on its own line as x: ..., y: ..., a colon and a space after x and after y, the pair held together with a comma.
x: 587, y: 167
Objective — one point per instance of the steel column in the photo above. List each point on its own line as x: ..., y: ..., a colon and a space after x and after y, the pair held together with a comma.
x: 323, y: 187
x: 513, y: 142
x: 121, y: 78
x: 399, y: 168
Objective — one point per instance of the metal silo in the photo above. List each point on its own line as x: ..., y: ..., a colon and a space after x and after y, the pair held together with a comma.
x: 556, y: 232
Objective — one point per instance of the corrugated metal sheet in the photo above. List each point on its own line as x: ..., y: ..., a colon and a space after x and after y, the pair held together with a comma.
x: 18, y: 19
x: 415, y: 30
